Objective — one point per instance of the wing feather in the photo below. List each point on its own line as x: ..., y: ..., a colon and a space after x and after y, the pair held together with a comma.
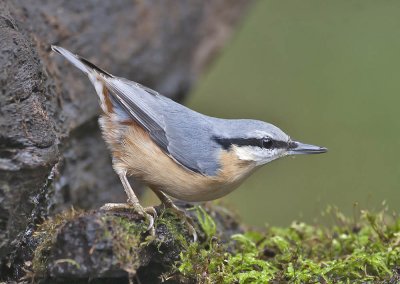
x: 135, y: 100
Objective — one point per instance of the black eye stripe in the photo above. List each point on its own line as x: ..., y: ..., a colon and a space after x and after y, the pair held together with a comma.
x: 280, y: 144
x: 227, y: 143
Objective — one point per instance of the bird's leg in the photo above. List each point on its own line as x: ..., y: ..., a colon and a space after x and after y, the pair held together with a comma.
x: 133, y: 203
x: 167, y: 202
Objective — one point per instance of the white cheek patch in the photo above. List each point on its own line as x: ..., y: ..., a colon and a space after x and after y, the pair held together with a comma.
x: 244, y: 153
x: 258, y: 155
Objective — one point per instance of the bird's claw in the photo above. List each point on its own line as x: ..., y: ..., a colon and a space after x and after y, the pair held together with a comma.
x: 149, y: 213
x: 191, y: 230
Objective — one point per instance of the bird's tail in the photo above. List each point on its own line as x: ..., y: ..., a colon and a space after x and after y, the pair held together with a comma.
x: 97, y: 76
x: 81, y: 63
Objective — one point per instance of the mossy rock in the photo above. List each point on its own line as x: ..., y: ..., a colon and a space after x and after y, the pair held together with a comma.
x: 116, y: 247
x: 102, y: 246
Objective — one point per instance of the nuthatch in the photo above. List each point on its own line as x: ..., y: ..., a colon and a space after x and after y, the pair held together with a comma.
x: 174, y: 150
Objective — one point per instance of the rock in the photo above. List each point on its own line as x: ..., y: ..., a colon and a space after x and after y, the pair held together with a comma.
x: 115, y: 245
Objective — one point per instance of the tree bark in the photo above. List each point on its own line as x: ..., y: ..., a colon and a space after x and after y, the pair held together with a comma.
x: 51, y: 152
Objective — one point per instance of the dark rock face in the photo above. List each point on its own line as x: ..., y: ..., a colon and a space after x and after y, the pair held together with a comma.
x: 51, y: 152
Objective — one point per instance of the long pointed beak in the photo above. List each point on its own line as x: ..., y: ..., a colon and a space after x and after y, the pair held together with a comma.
x: 301, y: 148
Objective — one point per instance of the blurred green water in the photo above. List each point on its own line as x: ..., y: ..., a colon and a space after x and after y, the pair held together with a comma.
x: 328, y: 73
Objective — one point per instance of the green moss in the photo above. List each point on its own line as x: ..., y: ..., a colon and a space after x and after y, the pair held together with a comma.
x: 206, y: 223
x: 356, y: 250
x: 175, y: 226
x: 126, y: 239
x: 45, y: 235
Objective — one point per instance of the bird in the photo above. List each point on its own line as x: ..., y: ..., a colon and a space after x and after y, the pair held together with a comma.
x: 177, y: 152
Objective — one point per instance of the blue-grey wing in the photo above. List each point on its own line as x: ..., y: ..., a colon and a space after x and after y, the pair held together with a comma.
x: 189, y: 134
x: 181, y: 133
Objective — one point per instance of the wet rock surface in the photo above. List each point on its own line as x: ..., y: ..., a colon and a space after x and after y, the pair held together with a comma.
x: 51, y: 152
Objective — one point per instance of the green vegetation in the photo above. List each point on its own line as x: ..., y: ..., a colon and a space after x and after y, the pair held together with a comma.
x: 362, y: 250
x: 175, y: 227
x: 125, y: 235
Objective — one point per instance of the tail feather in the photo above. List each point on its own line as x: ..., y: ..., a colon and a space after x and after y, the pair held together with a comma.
x: 81, y: 63
x: 96, y: 75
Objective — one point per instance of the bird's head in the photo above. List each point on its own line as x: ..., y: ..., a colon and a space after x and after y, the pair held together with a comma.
x: 261, y: 142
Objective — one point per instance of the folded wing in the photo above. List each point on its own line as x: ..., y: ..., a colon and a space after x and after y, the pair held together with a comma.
x: 180, y: 132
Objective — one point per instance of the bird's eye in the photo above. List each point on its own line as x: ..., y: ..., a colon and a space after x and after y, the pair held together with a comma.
x: 267, y: 143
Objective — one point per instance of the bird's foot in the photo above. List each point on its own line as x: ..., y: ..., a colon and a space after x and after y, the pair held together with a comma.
x: 189, y: 223
x: 149, y: 213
